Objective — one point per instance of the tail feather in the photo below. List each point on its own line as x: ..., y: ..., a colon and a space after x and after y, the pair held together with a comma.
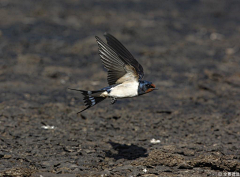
x: 89, y: 99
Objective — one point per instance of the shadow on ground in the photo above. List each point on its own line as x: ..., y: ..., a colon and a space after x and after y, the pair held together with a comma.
x: 123, y: 151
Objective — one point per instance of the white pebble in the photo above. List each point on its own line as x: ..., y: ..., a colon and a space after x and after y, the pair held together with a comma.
x: 153, y: 141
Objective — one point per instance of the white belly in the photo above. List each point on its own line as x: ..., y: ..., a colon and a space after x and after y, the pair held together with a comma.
x: 127, y: 89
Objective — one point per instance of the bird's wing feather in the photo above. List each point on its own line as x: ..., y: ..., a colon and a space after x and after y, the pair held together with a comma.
x: 124, y: 53
x: 118, y: 69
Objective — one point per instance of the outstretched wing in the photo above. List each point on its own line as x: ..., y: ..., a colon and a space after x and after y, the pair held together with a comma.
x: 119, y: 70
x: 124, y: 53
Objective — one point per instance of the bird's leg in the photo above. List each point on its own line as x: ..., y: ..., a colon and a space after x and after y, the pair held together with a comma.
x: 113, y: 100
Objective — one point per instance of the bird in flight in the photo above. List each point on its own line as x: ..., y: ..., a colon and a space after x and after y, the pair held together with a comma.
x: 124, y: 74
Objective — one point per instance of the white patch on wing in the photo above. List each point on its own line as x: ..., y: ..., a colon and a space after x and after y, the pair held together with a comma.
x: 126, y: 89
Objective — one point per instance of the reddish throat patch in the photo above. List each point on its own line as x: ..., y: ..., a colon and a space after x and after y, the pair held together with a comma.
x: 149, y: 90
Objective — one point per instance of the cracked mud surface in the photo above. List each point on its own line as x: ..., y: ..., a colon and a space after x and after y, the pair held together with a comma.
x: 189, y: 49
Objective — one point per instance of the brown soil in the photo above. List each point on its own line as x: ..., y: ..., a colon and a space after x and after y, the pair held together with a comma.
x: 189, y: 49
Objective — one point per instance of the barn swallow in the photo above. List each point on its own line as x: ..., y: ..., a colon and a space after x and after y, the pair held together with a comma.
x: 124, y: 74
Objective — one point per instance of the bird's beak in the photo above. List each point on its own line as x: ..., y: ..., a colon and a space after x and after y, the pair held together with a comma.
x: 154, y: 87
x: 151, y: 89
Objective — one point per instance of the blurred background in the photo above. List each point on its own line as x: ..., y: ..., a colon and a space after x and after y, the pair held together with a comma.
x: 188, y: 48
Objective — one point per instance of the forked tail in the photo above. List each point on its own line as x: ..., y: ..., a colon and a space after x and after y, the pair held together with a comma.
x: 89, y: 99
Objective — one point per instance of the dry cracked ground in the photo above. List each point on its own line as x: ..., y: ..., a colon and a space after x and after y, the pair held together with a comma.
x: 189, y: 49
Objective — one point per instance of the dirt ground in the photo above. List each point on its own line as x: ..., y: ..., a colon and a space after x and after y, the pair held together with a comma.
x: 189, y: 49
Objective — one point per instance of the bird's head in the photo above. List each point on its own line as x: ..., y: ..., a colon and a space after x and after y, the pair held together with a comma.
x: 145, y: 87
